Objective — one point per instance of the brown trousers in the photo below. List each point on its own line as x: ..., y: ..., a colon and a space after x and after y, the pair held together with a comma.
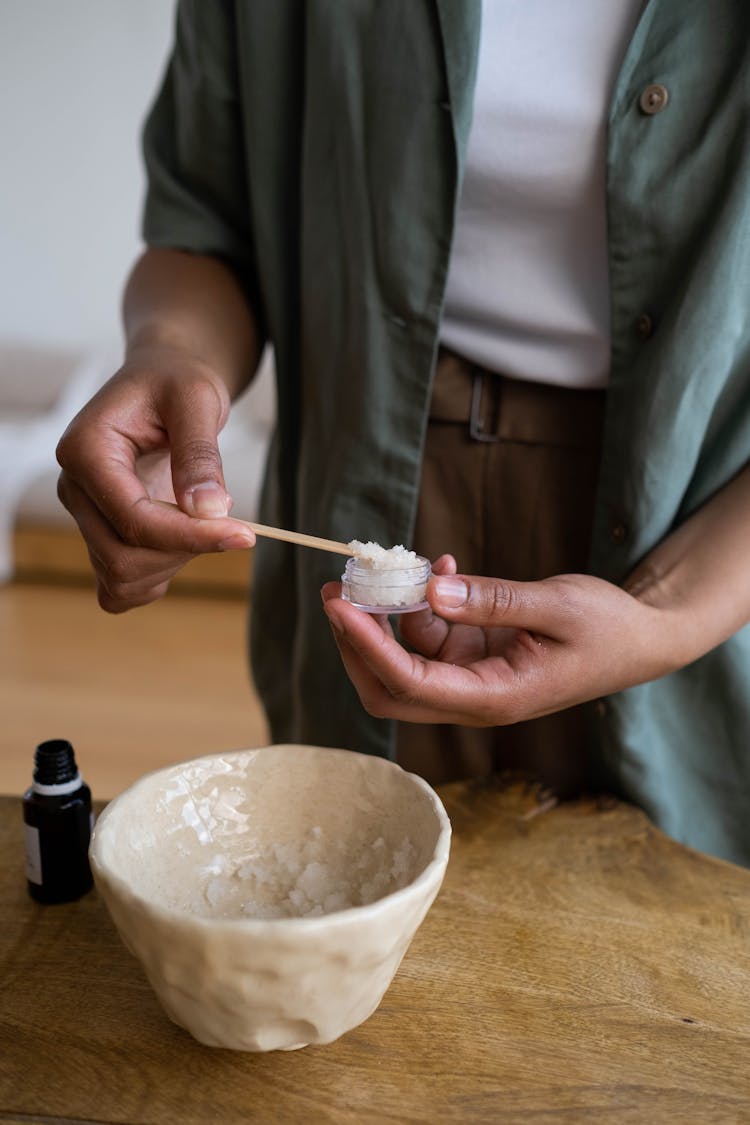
x: 508, y: 483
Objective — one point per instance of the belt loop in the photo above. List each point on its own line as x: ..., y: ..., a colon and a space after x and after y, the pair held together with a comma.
x: 476, y: 430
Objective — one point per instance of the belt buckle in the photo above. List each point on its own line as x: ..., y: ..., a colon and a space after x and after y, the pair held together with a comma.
x: 476, y: 431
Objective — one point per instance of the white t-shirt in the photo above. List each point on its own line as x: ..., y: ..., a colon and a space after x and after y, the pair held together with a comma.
x: 528, y: 285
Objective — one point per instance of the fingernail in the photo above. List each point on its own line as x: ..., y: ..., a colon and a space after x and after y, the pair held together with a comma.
x: 238, y: 542
x: 207, y: 500
x: 452, y: 592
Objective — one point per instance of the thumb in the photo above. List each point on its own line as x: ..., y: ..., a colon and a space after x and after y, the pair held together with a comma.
x: 471, y: 600
x: 193, y: 423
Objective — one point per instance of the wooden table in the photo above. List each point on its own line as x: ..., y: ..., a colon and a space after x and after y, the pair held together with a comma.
x: 577, y: 966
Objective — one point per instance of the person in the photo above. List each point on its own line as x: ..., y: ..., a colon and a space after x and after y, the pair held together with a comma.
x: 499, y: 250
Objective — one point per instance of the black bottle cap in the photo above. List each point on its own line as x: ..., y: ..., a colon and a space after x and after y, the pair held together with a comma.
x: 54, y: 762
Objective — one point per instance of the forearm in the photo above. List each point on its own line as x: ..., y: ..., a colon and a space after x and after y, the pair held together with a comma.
x: 700, y: 574
x: 192, y: 304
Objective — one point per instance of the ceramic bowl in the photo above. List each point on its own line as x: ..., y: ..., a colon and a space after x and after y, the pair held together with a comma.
x: 270, y: 894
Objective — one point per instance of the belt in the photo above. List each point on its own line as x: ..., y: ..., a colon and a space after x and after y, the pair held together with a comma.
x: 495, y: 408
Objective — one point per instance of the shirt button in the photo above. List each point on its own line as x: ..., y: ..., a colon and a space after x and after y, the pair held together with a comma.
x: 600, y: 708
x: 619, y: 532
x: 644, y: 326
x: 654, y: 99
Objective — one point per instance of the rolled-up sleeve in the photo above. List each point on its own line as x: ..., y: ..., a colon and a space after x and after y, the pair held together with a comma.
x: 193, y: 147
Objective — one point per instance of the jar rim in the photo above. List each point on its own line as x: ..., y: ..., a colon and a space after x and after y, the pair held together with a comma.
x: 353, y: 566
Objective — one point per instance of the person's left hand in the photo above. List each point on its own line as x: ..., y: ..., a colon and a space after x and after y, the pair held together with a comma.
x: 491, y: 652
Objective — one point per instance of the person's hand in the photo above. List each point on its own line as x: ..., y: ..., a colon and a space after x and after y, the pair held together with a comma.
x: 148, y: 436
x: 490, y: 652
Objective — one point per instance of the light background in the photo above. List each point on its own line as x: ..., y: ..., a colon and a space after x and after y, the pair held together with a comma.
x: 77, y: 77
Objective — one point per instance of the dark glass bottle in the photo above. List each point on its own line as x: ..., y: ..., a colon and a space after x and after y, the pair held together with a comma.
x: 57, y: 825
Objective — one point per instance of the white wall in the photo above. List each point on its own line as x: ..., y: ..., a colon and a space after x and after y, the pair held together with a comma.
x: 77, y: 77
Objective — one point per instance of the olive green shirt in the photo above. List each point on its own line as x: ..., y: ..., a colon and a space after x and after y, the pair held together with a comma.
x: 319, y: 148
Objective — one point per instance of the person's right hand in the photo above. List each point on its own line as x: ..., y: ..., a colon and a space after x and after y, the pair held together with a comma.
x: 148, y: 436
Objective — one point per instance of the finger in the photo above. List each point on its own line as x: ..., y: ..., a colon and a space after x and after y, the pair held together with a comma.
x: 106, y: 546
x: 374, y: 696
x: 371, y: 692
x: 545, y: 607
x: 127, y: 586
x: 193, y: 416
x: 446, y: 564
x: 136, y: 519
x: 394, y: 683
x: 115, y: 603
x: 332, y: 590
x: 126, y: 576
x: 424, y: 631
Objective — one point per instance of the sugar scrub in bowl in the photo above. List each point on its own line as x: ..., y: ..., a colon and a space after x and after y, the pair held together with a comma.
x: 385, y: 579
x: 271, y: 894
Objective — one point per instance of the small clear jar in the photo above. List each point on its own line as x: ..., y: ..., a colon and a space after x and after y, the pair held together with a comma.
x: 395, y: 590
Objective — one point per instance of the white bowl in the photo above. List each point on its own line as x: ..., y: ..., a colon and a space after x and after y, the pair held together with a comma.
x: 270, y: 894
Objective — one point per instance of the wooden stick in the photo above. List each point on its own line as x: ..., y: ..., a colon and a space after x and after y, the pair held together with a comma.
x: 287, y: 536
x: 299, y: 537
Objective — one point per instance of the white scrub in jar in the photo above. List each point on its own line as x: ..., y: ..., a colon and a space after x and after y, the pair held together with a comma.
x: 385, y: 580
